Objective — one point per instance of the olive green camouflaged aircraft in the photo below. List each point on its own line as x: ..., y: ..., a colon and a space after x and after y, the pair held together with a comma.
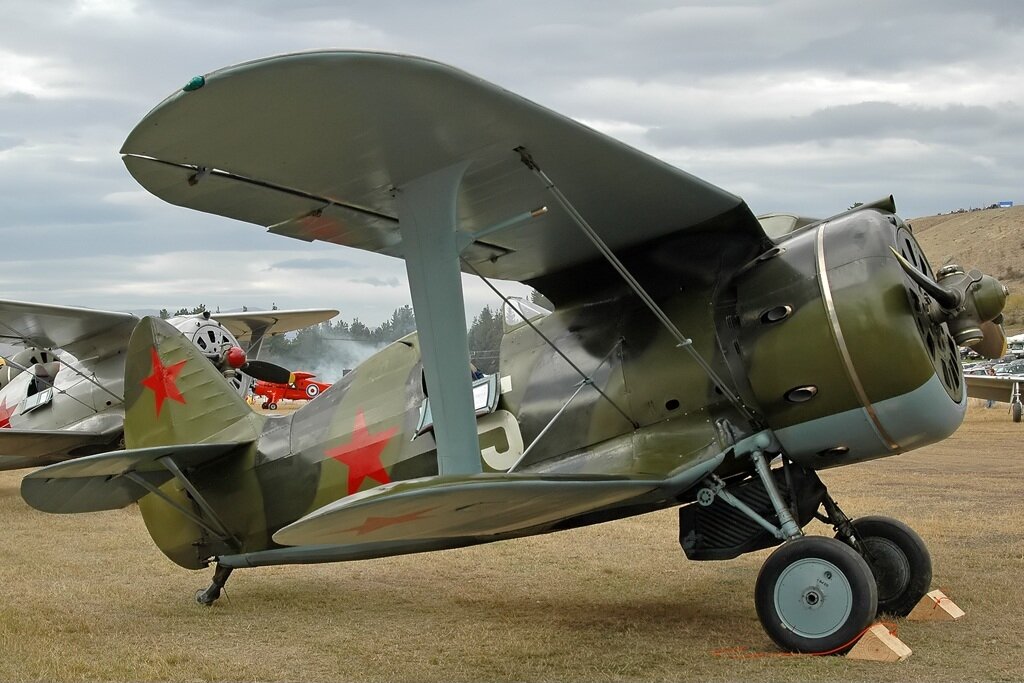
x: 692, y: 347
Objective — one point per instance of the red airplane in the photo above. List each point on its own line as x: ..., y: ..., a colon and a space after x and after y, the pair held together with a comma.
x: 300, y: 387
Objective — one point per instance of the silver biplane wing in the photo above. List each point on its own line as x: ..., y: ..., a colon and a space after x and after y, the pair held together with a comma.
x: 993, y: 388
x: 251, y: 327
x: 20, y: 448
x: 85, y: 333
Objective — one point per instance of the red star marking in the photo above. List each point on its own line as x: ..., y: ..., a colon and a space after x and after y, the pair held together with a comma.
x: 362, y: 454
x: 5, y: 414
x: 162, y: 382
x: 374, y: 523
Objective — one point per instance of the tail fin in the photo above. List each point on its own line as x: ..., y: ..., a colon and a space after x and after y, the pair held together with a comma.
x: 174, y: 395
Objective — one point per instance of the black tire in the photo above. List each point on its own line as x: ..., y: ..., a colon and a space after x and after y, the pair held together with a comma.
x: 898, y: 559
x: 815, y: 594
x: 1015, y: 411
x: 272, y: 406
x: 264, y: 406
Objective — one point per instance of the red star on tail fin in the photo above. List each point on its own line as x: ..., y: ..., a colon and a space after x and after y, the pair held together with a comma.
x: 162, y: 381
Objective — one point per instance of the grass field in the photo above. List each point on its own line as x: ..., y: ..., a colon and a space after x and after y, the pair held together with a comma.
x: 88, y: 597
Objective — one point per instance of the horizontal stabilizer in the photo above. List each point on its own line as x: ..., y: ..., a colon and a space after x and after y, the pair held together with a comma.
x: 443, y: 507
x: 104, y: 481
x: 34, y: 448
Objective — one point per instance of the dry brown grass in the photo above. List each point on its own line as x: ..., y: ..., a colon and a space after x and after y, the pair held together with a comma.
x: 88, y: 597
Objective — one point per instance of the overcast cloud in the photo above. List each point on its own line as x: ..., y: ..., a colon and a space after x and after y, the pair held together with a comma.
x: 798, y: 105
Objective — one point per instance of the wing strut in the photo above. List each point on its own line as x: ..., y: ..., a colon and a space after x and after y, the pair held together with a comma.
x: 586, y: 381
x: 585, y: 376
x: 172, y: 467
x: 53, y: 386
x: 684, y: 342
x: 427, y: 220
x: 89, y: 379
x: 141, y: 481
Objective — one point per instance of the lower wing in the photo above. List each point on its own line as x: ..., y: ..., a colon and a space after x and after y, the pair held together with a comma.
x: 478, y: 506
x: 992, y: 388
x: 33, y: 448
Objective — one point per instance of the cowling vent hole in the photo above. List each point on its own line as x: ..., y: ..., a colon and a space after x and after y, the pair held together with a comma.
x: 801, y: 394
x: 776, y: 314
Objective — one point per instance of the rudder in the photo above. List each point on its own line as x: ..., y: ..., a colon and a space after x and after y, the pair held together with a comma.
x: 174, y: 395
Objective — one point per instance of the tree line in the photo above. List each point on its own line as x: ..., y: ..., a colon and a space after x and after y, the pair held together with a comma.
x: 305, y: 347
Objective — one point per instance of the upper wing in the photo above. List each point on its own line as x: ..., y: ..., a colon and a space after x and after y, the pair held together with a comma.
x: 989, y: 388
x: 313, y: 145
x: 253, y: 325
x: 83, y: 332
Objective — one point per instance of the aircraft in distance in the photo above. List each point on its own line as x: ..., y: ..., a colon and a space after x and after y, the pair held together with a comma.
x: 300, y: 387
x: 62, y: 395
x: 999, y: 388
x: 691, y: 347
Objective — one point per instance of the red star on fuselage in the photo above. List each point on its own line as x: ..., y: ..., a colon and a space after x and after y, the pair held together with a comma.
x: 362, y: 454
x: 162, y: 382
x: 5, y: 414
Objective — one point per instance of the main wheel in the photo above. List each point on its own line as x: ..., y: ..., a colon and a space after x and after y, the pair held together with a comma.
x: 272, y: 406
x: 815, y: 594
x: 1015, y: 411
x: 899, y: 561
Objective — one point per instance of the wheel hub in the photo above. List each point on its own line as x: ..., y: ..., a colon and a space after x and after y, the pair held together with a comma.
x: 813, y: 598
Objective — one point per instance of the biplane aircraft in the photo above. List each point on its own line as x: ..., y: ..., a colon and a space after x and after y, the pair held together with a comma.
x: 697, y: 358
x: 299, y: 386
x: 999, y: 388
x: 62, y: 395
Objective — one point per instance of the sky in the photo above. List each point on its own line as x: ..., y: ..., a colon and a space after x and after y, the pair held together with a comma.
x: 796, y: 105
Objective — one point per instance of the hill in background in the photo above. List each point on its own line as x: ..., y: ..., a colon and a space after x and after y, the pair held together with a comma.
x: 991, y: 240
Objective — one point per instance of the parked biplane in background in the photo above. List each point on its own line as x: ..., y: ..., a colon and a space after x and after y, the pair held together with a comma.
x: 62, y: 395
x: 691, y: 346
x: 1001, y: 388
x: 300, y: 387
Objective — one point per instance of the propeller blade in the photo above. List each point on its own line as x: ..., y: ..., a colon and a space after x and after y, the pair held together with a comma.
x: 268, y: 372
x: 993, y: 343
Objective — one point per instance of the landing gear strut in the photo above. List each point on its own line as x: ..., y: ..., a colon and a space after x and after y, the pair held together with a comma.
x: 898, y: 559
x: 818, y: 594
x: 814, y: 594
x: 220, y: 577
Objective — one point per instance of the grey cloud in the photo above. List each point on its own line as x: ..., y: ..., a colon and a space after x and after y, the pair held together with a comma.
x: 955, y: 123
x: 10, y: 142
x: 58, y: 153
x: 378, y: 282
x: 315, y: 263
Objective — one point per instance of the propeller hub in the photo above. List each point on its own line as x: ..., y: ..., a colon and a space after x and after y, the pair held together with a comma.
x: 235, y: 357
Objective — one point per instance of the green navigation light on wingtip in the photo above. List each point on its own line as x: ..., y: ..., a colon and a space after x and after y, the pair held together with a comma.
x: 195, y: 83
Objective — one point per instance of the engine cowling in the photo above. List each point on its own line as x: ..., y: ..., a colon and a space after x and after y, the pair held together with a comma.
x: 215, y: 342
x: 834, y: 345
